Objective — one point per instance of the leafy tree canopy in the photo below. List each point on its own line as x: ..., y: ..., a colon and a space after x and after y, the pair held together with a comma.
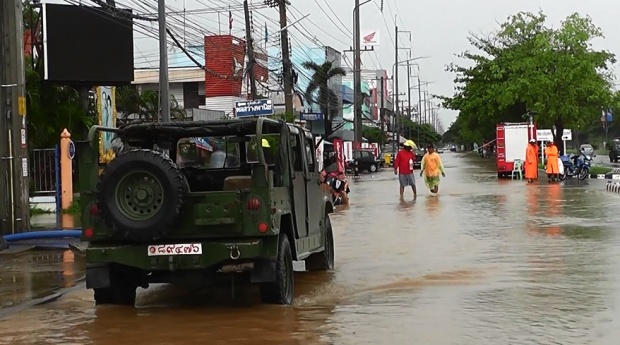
x: 318, y: 91
x: 524, y: 66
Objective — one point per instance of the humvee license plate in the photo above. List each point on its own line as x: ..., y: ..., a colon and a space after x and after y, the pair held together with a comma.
x: 175, y: 249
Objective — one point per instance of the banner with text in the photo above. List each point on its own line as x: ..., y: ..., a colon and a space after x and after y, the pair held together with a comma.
x: 339, y: 150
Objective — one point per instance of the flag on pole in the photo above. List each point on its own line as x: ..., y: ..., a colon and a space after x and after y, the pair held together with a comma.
x: 230, y: 20
x: 266, y: 34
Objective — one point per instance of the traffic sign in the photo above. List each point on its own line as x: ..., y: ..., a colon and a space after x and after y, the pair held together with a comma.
x: 71, y: 150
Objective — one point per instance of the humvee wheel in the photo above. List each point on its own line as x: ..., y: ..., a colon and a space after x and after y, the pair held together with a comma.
x: 323, y: 261
x: 122, y: 289
x: 141, y: 194
x: 281, y: 290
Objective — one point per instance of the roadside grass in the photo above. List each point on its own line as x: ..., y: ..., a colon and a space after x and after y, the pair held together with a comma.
x: 73, y: 209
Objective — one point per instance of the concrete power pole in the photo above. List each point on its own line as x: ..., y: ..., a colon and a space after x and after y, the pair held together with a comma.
x: 249, y: 43
x: 164, y: 83
x: 396, y: 112
x: 409, y: 89
x: 357, y: 75
x: 14, y: 171
x: 382, y: 120
x: 287, y: 74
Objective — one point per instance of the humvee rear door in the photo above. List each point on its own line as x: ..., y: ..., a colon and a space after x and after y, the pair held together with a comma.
x: 313, y: 189
x: 299, y: 183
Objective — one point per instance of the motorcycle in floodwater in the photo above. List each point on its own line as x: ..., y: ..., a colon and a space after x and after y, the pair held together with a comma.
x: 576, y: 165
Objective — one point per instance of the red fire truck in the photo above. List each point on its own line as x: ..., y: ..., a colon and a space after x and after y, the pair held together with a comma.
x: 512, y: 140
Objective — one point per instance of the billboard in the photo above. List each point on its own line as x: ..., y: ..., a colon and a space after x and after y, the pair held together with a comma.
x: 225, y: 65
x: 87, y: 45
x: 259, y: 107
x: 369, y: 38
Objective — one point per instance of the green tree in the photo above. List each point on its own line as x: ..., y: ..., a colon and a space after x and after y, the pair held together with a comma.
x: 318, y: 91
x: 374, y: 134
x: 421, y: 134
x: 132, y: 104
x: 526, y: 65
x: 50, y: 109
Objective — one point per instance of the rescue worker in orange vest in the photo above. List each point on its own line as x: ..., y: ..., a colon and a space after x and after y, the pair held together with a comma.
x: 531, y: 162
x: 553, y: 170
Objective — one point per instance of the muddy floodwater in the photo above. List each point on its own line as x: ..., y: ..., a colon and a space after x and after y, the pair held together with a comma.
x: 485, y: 262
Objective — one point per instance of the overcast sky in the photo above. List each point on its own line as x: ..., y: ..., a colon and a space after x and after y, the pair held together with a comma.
x: 439, y: 28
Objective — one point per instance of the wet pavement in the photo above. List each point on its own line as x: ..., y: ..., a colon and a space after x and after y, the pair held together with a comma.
x: 485, y: 262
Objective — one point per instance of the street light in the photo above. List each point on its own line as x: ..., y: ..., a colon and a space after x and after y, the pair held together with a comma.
x: 408, y: 60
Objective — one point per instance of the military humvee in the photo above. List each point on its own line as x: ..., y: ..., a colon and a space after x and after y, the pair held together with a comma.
x: 233, y: 197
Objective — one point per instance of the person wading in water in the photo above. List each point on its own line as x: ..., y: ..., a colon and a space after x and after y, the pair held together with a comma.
x: 531, y: 162
x: 431, y: 168
x: 403, y: 167
x: 553, y: 169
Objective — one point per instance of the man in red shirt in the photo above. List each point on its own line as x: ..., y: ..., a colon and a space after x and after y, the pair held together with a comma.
x: 403, y: 166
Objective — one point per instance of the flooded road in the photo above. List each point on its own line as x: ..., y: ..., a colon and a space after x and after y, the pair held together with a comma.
x: 485, y: 262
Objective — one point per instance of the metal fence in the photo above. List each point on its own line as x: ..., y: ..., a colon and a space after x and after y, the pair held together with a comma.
x: 44, y: 172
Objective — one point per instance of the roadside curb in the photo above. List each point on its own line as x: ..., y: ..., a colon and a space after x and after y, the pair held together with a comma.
x: 613, y: 187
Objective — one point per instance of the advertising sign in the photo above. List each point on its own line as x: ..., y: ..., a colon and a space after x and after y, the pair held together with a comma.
x: 259, y: 107
x: 348, y: 150
x: 338, y: 149
x: 370, y: 38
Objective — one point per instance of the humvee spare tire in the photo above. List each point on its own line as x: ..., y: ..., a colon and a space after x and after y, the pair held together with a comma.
x: 140, y: 195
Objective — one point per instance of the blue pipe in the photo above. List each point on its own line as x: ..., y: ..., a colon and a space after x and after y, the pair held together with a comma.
x: 45, y: 234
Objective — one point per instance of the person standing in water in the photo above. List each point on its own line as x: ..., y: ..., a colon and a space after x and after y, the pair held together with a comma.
x: 531, y: 162
x: 553, y: 169
x: 403, y: 167
x: 432, y: 167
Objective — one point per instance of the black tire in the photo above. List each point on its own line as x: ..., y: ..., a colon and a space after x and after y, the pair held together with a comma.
x: 282, y: 290
x: 122, y: 289
x: 323, y: 261
x: 373, y: 168
x: 563, y: 176
x: 583, y: 174
x: 166, y: 191
x: 3, y: 244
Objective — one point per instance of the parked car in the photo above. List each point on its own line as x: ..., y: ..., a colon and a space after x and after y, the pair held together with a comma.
x: 614, y: 151
x: 366, y: 161
x: 587, y: 149
x: 419, y: 154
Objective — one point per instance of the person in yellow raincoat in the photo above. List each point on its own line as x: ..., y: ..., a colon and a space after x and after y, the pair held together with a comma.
x: 432, y: 167
x: 531, y: 162
x: 553, y: 170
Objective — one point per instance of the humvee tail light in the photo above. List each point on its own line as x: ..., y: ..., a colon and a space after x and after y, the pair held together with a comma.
x: 88, y: 233
x: 93, y: 210
x: 253, y: 204
x: 262, y: 227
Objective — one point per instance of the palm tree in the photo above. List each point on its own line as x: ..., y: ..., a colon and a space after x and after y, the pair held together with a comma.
x: 131, y: 104
x: 318, y: 91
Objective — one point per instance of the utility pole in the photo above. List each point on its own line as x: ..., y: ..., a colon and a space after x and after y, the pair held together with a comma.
x: 381, y: 109
x: 249, y: 43
x: 357, y: 50
x: 164, y: 82
x: 396, y: 112
x: 14, y: 171
x: 420, y: 103
x: 287, y: 74
x: 409, y: 88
